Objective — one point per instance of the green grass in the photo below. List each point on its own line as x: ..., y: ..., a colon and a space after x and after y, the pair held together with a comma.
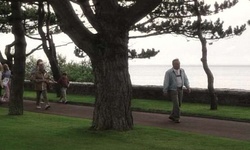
x: 194, y: 109
x: 37, y: 131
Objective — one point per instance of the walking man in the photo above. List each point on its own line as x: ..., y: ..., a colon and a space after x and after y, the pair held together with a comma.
x: 174, y: 80
x: 41, y: 79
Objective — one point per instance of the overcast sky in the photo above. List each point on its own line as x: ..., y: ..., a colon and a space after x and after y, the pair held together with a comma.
x: 232, y: 51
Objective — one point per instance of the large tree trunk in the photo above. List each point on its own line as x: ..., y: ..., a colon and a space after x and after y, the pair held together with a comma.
x: 113, y: 87
x: 108, y: 51
x: 18, y: 69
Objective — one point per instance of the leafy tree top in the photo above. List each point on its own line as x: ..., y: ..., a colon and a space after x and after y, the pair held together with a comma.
x: 169, y: 16
x: 121, y: 16
x: 178, y: 17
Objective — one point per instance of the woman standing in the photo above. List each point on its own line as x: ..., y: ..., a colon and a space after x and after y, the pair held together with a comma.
x: 6, y: 82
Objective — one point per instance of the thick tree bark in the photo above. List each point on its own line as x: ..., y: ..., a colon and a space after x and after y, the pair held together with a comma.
x: 18, y: 69
x: 113, y: 86
x: 108, y: 51
x: 113, y: 97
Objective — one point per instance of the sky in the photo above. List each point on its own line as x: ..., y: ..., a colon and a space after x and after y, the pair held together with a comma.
x: 230, y: 51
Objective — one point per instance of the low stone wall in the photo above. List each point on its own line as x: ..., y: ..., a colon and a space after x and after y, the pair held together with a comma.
x: 198, y: 95
x: 225, y: 96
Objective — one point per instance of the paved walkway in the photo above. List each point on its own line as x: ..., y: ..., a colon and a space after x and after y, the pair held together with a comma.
x: 214, y: 127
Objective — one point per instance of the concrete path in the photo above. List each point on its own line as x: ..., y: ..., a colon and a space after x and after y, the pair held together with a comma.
x: 214, y: 127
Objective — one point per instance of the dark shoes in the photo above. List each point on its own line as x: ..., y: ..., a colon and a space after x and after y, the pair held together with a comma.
x: 174, y: 120
x: 177, y: 121
x: 171, y: 118
x: 47, y: 107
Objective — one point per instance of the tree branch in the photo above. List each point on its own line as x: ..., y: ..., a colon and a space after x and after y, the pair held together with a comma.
x: 34, y: 49
x: 72, y: 25
x: 141, y: 8
x: 89, y: 14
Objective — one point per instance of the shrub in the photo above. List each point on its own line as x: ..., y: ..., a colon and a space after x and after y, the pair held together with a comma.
x: 77, y: 72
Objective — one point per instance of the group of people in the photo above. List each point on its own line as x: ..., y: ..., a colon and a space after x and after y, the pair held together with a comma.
x: 174, y: 81
x: 5, y: 79
x: 41, y: 80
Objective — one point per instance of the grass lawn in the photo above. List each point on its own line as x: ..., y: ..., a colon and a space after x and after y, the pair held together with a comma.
x: 194, y: 109
x: 36, y: 131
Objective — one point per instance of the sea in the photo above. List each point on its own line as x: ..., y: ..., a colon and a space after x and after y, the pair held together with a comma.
x: 225, y: 76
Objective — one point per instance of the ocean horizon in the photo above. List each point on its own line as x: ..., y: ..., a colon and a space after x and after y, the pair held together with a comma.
x: 225, y: 76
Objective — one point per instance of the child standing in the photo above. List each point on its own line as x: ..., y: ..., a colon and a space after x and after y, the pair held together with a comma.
x: 64, y: 84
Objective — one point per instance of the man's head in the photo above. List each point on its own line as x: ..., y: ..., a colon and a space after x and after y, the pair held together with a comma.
x: 176, y: 63
x: 41, y: 67
x: 39, y: 61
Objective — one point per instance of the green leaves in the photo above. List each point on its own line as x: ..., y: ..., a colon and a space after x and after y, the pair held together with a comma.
x: 144, y: 54
x: 179, y: 18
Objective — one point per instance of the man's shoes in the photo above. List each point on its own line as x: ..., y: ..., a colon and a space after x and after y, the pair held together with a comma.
x: 65, y: 102
x: 47, y: 107
x: 174, y: 120
x: 171, y: 118
x: 3, y: 99
x: 177, y: 121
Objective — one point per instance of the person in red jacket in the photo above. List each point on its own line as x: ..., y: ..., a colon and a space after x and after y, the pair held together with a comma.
x: 64, y: 84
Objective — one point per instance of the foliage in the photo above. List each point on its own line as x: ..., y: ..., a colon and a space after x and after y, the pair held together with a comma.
x: 144, y: 54
x: 77, y: 72
x: 5, y: 12
x: 132, y: 53
x: 30, y: 18
x: 178, y: 18
x: 29, y: 66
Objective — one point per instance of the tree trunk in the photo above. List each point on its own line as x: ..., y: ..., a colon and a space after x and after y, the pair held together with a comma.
x: 54, y: 69
x: 18, y: 69
x: 48, y: 45
x: 113, y: 87
x: 210, y: 77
